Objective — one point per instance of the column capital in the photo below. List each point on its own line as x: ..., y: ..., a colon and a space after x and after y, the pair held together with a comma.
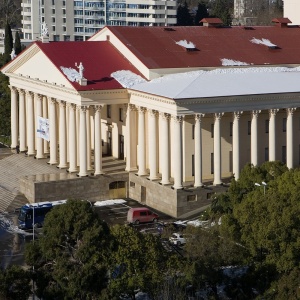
x: 21, y: 91
x: 165, y: 116
x: 218, y: 116
x: 237, y: 114
x: 62, y: 103
x: 13, y: 89
x: 255, y: 113
x: 52, y: 100
x: 273, y: 112
x: 132, y: 107
x: 38, y: 96
x: 178, y: 119
x: 152, y: 112
x: 29, y: 93
x: 290, y: 110
x: 97, y: 108
x: 142, y: 110
x: 198, y: 117
x: 72, y: 106
x: 83, y: 108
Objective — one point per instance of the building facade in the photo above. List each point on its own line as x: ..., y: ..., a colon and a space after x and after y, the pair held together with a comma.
x: 79, y: 20
x: 291, y: 10
x: 185, y: 112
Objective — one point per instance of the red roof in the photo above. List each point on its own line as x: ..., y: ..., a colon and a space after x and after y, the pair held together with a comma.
x: 99, y: 59
x: 212, y: 21
x: 156, y: 46
x: 282, y: 20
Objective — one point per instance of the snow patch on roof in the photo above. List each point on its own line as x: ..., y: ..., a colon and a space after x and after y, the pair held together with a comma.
x: 225, y: 71
x: 263, y: 41
x: 127, y: 78
x: 186, y: 44
x: 231, y: 62
x: 109, y: 202
x: 71, y: 74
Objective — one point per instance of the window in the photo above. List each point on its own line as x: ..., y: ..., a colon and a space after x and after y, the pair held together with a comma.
x: 121, y: 114
x: 230, y: 161
x: 266, y: 126
x: 53, y: 2
x: 193, y: 132
x: 108, y: 111
x: 66, y: 38
x: 230, y: 128
x: 53, y: 11
x: 211, y: 163
x: 53, y: 28
x: 267, y: 154
x: 212, y: 130
x: 283, y: 153
x: 249, y: 127
x: 132, y: 184
x: 53, y: 20
x: 284, y: 124
x: 56, y: 38
x: 193, y: 165
x: 191, y: 198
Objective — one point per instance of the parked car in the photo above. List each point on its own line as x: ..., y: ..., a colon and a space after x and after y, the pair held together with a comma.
x: 177, y: 239
x: 138, y: 215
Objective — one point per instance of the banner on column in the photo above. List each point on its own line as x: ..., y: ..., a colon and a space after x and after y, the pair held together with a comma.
x: 43, y: 128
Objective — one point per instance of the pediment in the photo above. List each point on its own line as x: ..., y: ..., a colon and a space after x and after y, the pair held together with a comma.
x: 33, y: 63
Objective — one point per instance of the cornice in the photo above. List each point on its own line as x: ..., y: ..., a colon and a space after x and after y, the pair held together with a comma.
x: 154, y: 98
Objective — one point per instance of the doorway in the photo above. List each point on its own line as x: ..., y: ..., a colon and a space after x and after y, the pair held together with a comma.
x: 109, y: 142
x: 121, y: 146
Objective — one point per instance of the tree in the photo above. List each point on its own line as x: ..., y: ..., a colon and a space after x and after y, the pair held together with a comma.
x: 10, y: 12
x: 138, y: 262
x: 15, y: 284
x: 4, y: 106
x: 8, y: 43
x: 184, y: 17
x: 201, y: 13
x: 71, y: 256
x: 17, y: 46
x: 222, y: 9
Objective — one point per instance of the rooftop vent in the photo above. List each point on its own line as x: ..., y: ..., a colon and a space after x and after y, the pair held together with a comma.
x: 169, y: 29
x: 281, y: 22
x: 211, y: 22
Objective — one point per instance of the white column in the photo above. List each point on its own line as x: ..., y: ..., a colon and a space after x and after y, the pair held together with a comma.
x: 236, y: 144
x: 72, y: 139
x: 198, y: 151
x: 130, y: 140
x: 217, y: 149
x: 98, y: 141
x: 88, y: 140
x: 53, y: 137
x: 289, y: 138
x: 22, y: 120
x: 152, y: 144
x: 14, y: 117
x: 272, y: 134
x: 141, y: 142
x: 30, y: 124
x: 164, y: 148
x: 62, y: 136
x: 254, y: 137
x: 39, y: 113
x: 177, y: 160
x: 82, y: 142
x: 45, y: 115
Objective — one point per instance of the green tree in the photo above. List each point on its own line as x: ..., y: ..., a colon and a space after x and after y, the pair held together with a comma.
x: 8, y: 43
x: 222, y: 9
x: 71, y: 256
x: 201, y: 13
x: 17, y: 46
x: 138, y: 262
x: 4, y: 106
x: 184, y: 17
x: 15, y: 284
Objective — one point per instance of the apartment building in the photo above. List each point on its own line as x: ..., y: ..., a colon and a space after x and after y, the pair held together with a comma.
x: 79, y: 20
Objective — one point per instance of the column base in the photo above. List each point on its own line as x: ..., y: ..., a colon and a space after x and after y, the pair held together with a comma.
x: 177, y: 187
x: 82, y: 175
x: 40, y: 157
x: 165, y: 183
x: 65, y: 166
x: 142, y: 173
x: 98, y: 173
x: 199, y: 185
x: 52, y: 162
x: 71, y: 170
x: 153, y: 178
x: 218, y: 183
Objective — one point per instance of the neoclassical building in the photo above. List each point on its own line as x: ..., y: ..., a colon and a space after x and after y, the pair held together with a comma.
x: 185, y: 107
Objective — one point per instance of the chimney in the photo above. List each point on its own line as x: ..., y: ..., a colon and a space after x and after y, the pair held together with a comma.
x: 211, y: 22
x: 281, y: 22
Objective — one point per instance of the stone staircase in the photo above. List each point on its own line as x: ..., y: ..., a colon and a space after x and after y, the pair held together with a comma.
x: 15, y: 166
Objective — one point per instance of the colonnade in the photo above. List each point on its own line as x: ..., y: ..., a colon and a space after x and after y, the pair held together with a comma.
x: 74, y: 138
x: 26, y: 106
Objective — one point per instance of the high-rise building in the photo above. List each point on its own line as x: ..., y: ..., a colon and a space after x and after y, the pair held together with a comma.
x: 78, y: 20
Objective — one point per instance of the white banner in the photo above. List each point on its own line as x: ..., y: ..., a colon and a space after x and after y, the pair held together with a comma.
x: 43, y: 129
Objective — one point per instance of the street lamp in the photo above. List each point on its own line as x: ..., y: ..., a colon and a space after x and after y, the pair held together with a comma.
x: 264, y: 185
